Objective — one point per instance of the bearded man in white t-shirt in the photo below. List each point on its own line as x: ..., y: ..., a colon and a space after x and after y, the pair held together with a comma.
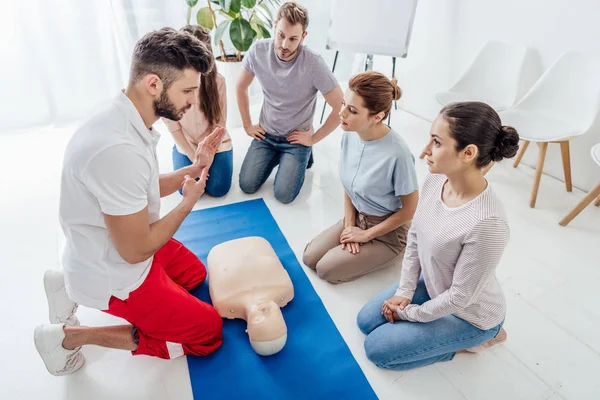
x: 120, y: 256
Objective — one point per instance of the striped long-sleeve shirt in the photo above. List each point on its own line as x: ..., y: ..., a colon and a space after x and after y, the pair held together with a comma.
x: 457, y: 251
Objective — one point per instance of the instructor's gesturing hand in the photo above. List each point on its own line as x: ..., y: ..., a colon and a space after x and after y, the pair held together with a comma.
x: 255, y: 131
x: 192, y: 188
x: 207, y: 148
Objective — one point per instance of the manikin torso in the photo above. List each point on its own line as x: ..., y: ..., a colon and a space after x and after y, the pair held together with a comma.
x: 247, y: 280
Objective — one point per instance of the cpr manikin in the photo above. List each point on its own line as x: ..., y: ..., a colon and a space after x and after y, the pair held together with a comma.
x: 247, y: 280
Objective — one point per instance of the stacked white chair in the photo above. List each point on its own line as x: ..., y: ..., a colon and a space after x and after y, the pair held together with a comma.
x: 562, y: 105
x: 592, y: 194
x: 498, y: 76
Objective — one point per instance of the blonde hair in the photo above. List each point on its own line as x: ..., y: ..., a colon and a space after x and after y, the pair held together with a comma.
x: 376, y: 90
x: 294, y: 13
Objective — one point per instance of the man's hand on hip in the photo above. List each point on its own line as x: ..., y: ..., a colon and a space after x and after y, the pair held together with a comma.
x: 304, y: 138
x: 255, y: 131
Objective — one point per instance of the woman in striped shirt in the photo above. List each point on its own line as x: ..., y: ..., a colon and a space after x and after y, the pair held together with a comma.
x: 448, y: 299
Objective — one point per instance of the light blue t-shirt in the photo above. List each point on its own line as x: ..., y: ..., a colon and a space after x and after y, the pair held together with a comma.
x: 290, y: 87
x: 376, y: 173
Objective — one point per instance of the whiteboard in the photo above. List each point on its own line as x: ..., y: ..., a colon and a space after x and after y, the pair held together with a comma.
x: 380, y: 27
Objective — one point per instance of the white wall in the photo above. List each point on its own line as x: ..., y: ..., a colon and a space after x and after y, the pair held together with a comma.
x: 448, y: 34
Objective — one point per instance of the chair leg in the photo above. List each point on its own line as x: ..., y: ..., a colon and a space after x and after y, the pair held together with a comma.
x: 597, y: 203
x: 487, y: 169
x: 538, y: 173
x: 566, y: 160
x: 595, y: 192
x: 332, y: 71
x: 521, y: 153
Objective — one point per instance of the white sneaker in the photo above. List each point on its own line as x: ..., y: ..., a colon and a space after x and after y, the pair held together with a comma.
x: 59, y: 361
x: 61, y: 309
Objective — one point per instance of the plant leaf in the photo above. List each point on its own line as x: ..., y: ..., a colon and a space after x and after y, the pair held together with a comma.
x: 265, y: 33
x: 267, y: 11
x: 235, y: 6
x: 241, y: 33
x: 264, y: 19
x: 254, y: 23
x: 204, y: 18
x: 191, y: 3
x: 230, y: 15
x: 249, y: 3
x: 220, y: 31
x: 225, y: 5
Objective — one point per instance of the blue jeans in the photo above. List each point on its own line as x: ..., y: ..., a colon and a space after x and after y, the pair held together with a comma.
x: 406, y: 345
x: 263, y: 155
x: 220, y: 172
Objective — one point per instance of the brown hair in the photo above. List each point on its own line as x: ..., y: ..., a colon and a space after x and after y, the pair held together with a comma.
x: 377, y: 91
x: 474, y: 122
x: 166, y: 53
x: 294, y: 13
x: 208, y: 93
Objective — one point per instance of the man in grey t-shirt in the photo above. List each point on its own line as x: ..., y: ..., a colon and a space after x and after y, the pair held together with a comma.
x: 290, y: 75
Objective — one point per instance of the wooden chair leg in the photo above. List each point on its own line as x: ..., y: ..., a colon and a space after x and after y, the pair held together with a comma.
x: 521, y: 152
x: 487, y: 169
x: 595, y: 192
x: 538, y: 173
x: 566, y: 160
x: 597, y: 203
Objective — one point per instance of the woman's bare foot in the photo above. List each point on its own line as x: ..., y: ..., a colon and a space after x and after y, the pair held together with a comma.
x: 500, y: 338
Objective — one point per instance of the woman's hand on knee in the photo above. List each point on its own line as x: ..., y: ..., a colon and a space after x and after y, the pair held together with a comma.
x: 355, y: 234
x: 353, y: 247
x: 389, y: 307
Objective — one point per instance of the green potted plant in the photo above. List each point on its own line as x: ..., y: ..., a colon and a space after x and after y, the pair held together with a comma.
x: 242, y: 22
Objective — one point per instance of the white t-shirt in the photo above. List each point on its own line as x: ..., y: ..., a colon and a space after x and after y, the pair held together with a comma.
x: 110, y: 167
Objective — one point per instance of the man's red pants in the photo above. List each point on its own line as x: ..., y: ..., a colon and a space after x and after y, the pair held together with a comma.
x: 169, y: 321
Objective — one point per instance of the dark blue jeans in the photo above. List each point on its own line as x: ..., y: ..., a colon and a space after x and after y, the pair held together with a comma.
x: 263, y: 155
x: 220, y: 172
x: 406, y: 345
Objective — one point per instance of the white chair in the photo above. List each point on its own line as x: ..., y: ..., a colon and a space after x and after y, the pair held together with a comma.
x: 498, y: 76
x: 593, y: 194
x: 561, y: 105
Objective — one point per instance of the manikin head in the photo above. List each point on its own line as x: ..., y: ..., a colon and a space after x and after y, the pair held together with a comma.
x: 468, y: 135
x: 165, y: 70
x: 266, y: 328
x: 368, y: 101
x: 290, y: 30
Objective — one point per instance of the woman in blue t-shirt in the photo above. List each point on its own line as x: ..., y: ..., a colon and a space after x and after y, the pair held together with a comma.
x: 380, y: 187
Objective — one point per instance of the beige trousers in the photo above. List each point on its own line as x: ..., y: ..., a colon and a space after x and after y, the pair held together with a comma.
x: 325, y: 255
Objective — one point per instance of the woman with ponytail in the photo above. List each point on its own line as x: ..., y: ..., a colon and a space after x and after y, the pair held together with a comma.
x: 200, y: 120
x: 448, y: 299
x: 380, y: 187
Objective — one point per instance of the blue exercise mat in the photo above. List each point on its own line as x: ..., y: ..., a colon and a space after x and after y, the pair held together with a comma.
x: 315, y: 362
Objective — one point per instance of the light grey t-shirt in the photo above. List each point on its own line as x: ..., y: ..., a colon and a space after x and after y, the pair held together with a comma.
x: 290, y: 87
x: 376, y: 173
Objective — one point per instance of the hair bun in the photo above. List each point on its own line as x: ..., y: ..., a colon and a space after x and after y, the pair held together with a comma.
x: 397, y: 91
x: 508, y: 143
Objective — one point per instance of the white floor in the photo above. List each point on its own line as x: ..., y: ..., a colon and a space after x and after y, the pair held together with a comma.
x: 550, y: 275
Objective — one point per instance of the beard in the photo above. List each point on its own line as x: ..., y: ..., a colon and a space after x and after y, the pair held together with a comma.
x: 287, y: 56
x: 164, y: 107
